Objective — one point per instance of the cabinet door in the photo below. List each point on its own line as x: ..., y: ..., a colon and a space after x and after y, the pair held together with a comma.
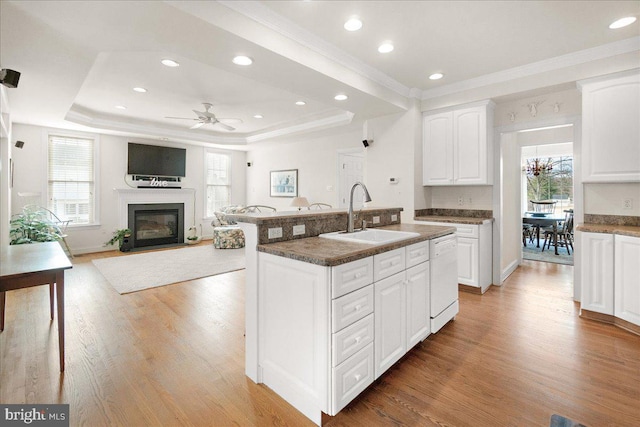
x: 610, y: 129
x: 468, y: 261
x: 437, y: 149
x: 390, y: 321
x: 418, y: 313
x: 597, y: 272
x: 470, y: 146
x: 627, y: 278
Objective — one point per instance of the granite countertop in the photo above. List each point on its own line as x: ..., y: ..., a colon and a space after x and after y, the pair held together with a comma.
x: 283, y: 216
x: 329, y: 252
x: 625, y: 230
x: 454, y: 219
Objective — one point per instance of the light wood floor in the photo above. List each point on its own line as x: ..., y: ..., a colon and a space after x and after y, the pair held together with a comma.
x: 174, y: 355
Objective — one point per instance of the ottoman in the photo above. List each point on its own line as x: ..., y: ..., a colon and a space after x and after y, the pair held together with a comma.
x: 228, y: 237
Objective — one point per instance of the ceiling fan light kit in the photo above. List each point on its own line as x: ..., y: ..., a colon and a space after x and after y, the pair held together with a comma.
x: 206, y: 117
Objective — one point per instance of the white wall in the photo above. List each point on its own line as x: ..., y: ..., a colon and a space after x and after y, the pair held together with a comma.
x: 30, y: 176
x: 392, y: 154
x: 510, y: 241
x: 607, y: 199
x: 477, y: 197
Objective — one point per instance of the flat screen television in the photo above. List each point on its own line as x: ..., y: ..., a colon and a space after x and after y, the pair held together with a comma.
x: 154, y: 160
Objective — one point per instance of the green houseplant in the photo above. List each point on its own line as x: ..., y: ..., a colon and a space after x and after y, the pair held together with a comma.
x: 32, y: 226
x: 119, y: 236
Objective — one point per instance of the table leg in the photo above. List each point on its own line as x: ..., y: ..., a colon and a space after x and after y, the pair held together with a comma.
x: 555, y: 236
x: 60, y: 301
x: 2, y: 298
x: 51, y: 299
x: 538, y: 234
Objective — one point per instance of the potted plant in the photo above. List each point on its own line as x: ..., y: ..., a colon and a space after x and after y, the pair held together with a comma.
x: 119, y: 236
x: 193, y: 237
x: 32, y: 226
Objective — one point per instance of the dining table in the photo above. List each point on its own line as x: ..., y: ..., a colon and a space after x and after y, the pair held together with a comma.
x: 544, y: 219
x: 24, y: 266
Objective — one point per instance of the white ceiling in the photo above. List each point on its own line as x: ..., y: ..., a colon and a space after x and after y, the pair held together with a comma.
x: 80, y: 59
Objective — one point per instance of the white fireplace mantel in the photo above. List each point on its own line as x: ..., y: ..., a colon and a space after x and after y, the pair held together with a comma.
x: 129, y: 196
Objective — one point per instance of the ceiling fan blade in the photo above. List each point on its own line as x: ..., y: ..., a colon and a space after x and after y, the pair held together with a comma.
x: 181, y: 118
x: 200, y: 114
x: 198, y: 125
x: 228, y: 120
x: 227, y: 127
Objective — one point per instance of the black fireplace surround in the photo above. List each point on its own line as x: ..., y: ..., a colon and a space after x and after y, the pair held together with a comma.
x: 154, y: 224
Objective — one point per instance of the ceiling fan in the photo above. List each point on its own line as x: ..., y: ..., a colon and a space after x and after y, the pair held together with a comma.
x: 207, y: 117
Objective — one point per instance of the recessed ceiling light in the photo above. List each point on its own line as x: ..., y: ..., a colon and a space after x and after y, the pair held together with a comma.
x: 623, y: 22
x: 121, y: 107
x: 258, y: 116
x: 301, y: 103
x: 385, y: 47
x: 242, y: 60
x: 436, y: 76
x: 170, y: 63
x: 341, y: 97
x: 140, y: 89
x: 353, y: 24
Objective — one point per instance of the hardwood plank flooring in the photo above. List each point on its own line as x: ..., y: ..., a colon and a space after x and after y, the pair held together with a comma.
x: 174, y: 355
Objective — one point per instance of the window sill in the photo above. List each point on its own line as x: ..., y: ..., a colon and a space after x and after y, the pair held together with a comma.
x: 92, y: 226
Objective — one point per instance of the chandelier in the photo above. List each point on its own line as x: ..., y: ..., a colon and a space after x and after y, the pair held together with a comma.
x: 537, y: 166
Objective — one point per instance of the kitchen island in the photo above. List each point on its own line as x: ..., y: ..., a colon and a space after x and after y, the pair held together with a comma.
x: 325, y: 318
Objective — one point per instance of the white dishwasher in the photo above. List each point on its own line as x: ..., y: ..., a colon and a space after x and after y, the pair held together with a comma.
x: 444, y: 280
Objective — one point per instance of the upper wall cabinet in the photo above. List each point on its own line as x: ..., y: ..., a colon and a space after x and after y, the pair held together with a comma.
x: 611, y: 128
x: 457, y: 145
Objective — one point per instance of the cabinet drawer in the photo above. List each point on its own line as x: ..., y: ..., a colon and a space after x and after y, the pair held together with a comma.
x: 351, y: 378
x: 388, y: 263
x: 467, y: 230
x: 351, y: 307
x: 352, y: 339
x: 417, y: 253
x: 348, y: 277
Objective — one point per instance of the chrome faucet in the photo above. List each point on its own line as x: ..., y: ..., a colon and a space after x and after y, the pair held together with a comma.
x: 367, y: 198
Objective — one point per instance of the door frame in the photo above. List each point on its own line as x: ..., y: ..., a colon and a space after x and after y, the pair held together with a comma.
x: 355, y: 152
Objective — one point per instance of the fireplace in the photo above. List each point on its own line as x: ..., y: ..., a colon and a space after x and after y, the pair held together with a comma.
x: 155, y: 224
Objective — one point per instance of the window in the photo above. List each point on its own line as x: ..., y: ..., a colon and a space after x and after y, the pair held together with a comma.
x: 71, y: 187
x: 555, y: 184
x: 218, y: 181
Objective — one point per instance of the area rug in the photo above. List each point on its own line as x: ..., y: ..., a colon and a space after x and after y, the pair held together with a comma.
x: 560, y: 421
x: 135, y: 272
x: 531, y: 252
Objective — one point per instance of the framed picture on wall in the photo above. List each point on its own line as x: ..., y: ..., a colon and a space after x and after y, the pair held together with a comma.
x: 284, y: 183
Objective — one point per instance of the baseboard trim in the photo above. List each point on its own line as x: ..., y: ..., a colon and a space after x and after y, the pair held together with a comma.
x: 610, y: 319
x: 470, y: 289
x: 509, y: 269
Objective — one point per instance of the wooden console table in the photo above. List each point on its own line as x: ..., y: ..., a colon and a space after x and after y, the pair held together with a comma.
x: 23, y: 266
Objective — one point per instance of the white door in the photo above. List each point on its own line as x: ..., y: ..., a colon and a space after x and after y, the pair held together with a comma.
x: 437, y: 149
x: 468, y: 259
x: 351, y: 170
x: 597, y: 272
x: 626, y: 273
x: 390, y: 321
x: 418, y: 313
x: 470, y: 146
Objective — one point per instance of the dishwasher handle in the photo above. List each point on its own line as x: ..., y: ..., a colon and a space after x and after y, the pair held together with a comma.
x: 444, y: 246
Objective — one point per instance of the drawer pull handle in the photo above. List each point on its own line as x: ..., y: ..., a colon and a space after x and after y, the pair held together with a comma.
x: 357, y: 307
x: 358, y: 339
x: 357, y: 377
x: 359, y: 275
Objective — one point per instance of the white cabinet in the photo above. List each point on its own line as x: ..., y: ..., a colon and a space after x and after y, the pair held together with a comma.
x: 402, y: 308
x: 474, y: 253
x: 610, y: 128
x: 597, y: 272
x: 457, y: 146
x: 326, y: 333
x: 627, y: 279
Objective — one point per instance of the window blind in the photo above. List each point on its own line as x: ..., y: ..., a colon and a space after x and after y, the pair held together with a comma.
x: 71, y: 178
x: 218, y: 181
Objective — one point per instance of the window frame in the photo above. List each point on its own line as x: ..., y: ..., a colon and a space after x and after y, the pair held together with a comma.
x: 229, y: 154
x: 47, y: 133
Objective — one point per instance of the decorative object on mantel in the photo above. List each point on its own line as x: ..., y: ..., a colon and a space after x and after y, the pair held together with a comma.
x: 122, y: 237
x: 537, y: 166
x: 512, y: 116
x: 556, y: 107
x: 300, y: 202
x: 284, y: 183
x: 193, y: 237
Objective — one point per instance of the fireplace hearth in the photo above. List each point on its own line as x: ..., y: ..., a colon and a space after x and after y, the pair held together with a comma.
x: 156, y: 224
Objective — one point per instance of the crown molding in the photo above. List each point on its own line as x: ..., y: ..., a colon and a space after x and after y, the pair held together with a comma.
x: 341, y: 119
x: 546, y: 65
x: 285, y: 27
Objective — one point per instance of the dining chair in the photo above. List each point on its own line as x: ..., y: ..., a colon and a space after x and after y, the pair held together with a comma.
x: 314, y: 206
x: 564, y: 236
x: 547, y: 206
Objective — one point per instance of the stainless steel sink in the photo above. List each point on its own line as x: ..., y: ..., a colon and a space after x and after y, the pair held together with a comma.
x: 371, y: 236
